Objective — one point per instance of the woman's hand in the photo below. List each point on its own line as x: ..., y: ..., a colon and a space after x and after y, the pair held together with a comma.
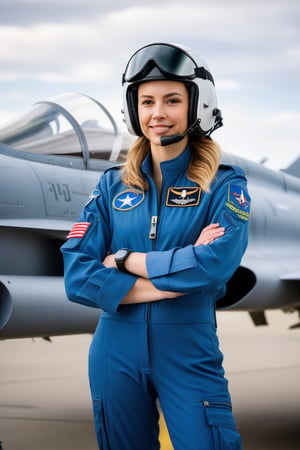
x: 109, y: 261
x: 209, y: 234
x: 142, y: 290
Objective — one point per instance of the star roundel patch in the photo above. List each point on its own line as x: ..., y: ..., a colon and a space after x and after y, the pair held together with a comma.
x: 238, y: 201
x: 126, y: 200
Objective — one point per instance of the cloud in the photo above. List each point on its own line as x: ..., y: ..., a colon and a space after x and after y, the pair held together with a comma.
x: 252, y: 48
x: 31, y: 12
x: 274, y: 136
x: 239, y: 38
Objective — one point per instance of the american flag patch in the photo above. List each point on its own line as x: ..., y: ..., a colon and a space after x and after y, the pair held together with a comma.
x: 79, y: 229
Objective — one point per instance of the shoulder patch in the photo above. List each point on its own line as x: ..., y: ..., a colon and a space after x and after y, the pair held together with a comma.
x: 238, y: 201
x: 79, y: 229
x: 183, y: 196
x: 128, y: 199
x: 94, y: 194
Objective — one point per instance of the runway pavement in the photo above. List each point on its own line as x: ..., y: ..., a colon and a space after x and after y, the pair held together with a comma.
x: 45, y: 402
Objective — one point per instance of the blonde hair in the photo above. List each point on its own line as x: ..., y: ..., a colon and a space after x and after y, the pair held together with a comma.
x: 202, y: 169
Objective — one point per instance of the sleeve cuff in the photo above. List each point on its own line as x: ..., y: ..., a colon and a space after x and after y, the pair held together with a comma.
x: 164, y: 263
x: 110, y: 294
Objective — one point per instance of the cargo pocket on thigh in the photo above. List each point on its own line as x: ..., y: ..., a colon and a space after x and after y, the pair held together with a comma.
x: 100, y: 425
x: 223, y: 428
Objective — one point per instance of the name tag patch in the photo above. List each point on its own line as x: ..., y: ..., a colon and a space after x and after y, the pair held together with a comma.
x: 127, y: 200
x: 238, y: 201
x: 183, y: 196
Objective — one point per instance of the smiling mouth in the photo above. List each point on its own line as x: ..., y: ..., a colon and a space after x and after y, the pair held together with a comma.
x: 161, y: 128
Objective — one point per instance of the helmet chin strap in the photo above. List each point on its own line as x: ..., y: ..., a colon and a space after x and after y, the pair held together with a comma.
x: 173, y: 138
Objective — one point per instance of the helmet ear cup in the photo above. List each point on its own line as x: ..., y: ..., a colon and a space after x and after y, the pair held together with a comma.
x: 193, y: 102
x: 132, y: 99
x: 206, y: 105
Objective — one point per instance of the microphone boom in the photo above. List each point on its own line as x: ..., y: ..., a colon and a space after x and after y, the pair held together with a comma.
x: 173, y: 138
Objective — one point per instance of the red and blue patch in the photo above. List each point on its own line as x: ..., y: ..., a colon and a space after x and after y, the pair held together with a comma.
x: 79, y: 229
x: 238, y: 201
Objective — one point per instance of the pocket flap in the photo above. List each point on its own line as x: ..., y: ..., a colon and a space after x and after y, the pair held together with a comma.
x: 219, y: 417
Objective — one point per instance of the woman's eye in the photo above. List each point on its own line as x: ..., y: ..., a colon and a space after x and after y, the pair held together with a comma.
x: 174, y: 100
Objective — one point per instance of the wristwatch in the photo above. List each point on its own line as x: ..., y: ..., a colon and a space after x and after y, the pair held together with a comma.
x: 120, y: 258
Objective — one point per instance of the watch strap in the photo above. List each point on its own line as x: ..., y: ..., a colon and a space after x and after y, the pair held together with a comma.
x: 120, y: 258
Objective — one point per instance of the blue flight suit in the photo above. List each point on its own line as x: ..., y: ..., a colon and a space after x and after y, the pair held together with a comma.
x: 168, y: 349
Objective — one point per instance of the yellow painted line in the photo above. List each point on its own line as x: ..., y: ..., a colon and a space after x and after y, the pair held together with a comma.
x: 164, y: 435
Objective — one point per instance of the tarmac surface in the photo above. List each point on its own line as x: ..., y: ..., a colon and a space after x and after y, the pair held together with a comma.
x: 45, y: 400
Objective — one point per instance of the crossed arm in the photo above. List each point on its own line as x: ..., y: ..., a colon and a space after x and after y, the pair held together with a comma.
x: 143, y: 290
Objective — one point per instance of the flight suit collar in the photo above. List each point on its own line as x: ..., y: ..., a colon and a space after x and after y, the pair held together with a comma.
x: 172, y: 166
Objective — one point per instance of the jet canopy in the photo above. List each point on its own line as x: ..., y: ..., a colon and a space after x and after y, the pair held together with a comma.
x: 70, y: 125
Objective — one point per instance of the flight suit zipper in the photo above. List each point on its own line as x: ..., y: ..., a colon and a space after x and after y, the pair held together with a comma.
x: 152, y: 237
x: 153, y: 229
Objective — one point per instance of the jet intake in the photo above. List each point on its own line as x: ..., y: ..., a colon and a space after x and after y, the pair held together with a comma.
x: 260, y: 289
x: 36, y: 306
x: 240, y: 284
x: 5, y: 305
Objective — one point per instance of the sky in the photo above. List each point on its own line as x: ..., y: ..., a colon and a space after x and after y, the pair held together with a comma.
x: 251, y: 47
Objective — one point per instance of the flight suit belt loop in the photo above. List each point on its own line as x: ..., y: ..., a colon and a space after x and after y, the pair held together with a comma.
x: 164, y: 314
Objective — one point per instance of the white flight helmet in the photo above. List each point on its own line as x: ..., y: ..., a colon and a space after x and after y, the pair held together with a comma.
x: 163, y: 61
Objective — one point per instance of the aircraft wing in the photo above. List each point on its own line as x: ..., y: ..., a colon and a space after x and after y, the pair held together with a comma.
x: 294, y: 276
x: 38, y: 224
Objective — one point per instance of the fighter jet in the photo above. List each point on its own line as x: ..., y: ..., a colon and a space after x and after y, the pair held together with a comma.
x: 51, y: 159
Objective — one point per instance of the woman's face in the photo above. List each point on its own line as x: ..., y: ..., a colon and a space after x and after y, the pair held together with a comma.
x: 162, y: 109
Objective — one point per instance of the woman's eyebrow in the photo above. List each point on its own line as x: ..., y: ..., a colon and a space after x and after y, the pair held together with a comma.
x: 173, y: 93
x: 170, y: 94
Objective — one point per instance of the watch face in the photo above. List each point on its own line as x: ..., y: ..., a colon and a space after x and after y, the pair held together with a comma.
x: 121, y: 254
x: 120, y: 257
